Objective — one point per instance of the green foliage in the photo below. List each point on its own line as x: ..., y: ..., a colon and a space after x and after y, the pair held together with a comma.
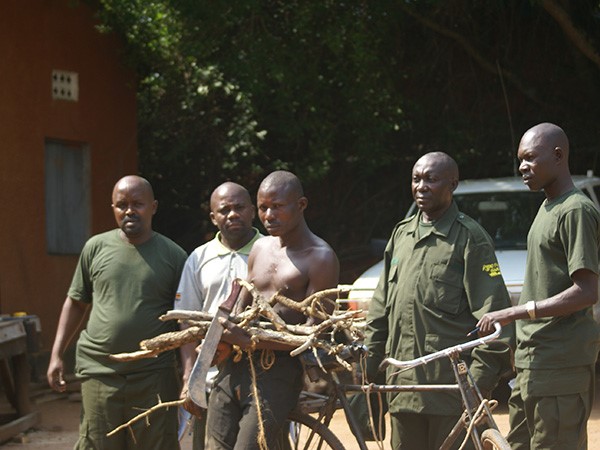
x: 196, y: 128
x: 314, y: 74
x: 347, y: 94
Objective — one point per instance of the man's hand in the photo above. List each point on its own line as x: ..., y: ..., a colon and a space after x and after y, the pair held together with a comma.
x: 503, y: 317
x: 235, y: 335
x: 55, y: 375
x: 189, y: 405
x: 223, y: 352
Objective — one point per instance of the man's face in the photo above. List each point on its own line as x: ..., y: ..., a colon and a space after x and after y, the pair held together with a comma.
x: 232, y: 213
x: 432, y: 187
x: 537, y: 164
x: 133, y: 206
x: 279, y: 210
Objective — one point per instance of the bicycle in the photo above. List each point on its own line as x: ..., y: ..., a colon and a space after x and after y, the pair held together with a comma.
x: 477, y: 422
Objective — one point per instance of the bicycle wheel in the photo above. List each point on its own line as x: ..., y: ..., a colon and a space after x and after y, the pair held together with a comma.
x: 492, y: 439
x: 307, y: 433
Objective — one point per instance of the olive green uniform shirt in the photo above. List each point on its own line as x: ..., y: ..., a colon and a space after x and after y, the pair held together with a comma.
x: 434, y: 288
x: 564, y: 238
x: 129, y: 287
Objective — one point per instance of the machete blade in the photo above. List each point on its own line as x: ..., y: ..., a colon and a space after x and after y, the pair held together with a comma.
x: 197, y: 381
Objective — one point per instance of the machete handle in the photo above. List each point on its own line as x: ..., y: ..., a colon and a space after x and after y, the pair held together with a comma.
x: 229, y: 303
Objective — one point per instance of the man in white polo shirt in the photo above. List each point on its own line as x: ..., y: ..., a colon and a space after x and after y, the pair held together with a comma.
x: 210, y: 270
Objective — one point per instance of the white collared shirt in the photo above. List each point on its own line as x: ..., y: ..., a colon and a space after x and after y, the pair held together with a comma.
x: 209, y: 272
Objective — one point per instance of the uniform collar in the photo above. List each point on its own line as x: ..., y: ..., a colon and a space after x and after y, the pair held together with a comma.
x: 442, y: 225
x: 245, y: 250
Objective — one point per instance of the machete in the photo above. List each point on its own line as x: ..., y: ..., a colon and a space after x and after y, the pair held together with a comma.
x: 197, y: 381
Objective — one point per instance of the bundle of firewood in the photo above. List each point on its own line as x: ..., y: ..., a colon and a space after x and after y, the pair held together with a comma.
x: 262, y: 323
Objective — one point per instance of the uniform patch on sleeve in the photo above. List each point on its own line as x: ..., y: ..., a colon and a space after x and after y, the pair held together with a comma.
x: 493, y: 270
x: 178, y: 296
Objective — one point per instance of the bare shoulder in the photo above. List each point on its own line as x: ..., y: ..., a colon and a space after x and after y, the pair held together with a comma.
x: 323, y: 264
x: 321, y: 249
x: 267, y: 243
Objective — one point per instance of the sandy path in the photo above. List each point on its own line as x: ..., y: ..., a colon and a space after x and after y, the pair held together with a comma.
x: 60, y: 417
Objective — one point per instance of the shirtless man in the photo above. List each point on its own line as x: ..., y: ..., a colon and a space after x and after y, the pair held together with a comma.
x: 297, y: 263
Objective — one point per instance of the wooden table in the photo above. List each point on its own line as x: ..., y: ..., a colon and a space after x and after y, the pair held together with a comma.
x: 15, y: 377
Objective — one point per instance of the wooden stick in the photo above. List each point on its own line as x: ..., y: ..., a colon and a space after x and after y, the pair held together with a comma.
x: 275, y: 329
x: 177, y: 314
x: 146, y: 413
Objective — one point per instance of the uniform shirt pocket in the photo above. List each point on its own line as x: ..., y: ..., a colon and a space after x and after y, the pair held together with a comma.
x: 448, y: 289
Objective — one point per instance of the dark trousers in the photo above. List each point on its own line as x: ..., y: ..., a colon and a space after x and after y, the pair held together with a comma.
x: 414, y: 431
x: 541, y: 416
x: 233, y: 421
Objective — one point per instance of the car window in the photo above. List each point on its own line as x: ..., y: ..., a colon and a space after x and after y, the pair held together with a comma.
x: 593, y: 192
x: 506, y: 216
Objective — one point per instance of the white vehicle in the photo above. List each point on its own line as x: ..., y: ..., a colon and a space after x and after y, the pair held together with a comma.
x: 506, y: 208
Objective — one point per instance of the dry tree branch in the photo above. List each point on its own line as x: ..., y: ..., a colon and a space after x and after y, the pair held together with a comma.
x: 183, y: 314
x: 579, y: 40
x: 311, y: 306
x: 164, y: 342
x: 174, y: 339
x: 301, y: 337
x: 478, y: 57
x: 140, y: 354
x: 146, y: 414
x: 293, y: 335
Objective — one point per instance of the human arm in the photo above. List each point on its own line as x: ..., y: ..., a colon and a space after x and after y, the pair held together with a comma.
x: 187, y: 353
x: 377, y: 330
x: 576, y: 241
x: 324, y: 274
x: 582, y: 294
x: 71, y: 317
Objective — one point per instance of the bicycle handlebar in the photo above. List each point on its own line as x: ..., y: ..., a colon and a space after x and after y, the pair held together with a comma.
x: 440, y: 354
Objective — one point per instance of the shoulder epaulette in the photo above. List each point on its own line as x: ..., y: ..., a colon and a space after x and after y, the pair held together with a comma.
x: 477, y: 231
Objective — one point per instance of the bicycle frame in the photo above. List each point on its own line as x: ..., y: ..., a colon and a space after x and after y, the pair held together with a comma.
x: 475, y: 408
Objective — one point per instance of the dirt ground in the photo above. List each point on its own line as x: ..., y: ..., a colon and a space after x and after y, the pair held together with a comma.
x: 60, y: 417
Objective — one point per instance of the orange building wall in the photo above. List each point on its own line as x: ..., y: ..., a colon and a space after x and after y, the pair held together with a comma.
x: 36, y: 37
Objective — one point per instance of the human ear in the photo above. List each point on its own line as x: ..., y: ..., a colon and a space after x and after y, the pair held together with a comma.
x: 454, y: 184
x: 558, y: 154
x: 302, y: 203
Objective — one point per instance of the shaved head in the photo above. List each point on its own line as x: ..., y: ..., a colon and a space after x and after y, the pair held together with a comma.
x: 544, y: 160
x: 133, y: 181
x: 282, y: 180
x: 444, y: 162
x: 228, y: 189
x: 547, y: 137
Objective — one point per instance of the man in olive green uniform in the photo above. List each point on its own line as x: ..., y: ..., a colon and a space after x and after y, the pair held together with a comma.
x: 557, y: 337
x: 440, y: 276
x: 125, y: 278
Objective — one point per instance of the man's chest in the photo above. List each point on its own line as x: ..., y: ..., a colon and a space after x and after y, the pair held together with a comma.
x: 280, y: 274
